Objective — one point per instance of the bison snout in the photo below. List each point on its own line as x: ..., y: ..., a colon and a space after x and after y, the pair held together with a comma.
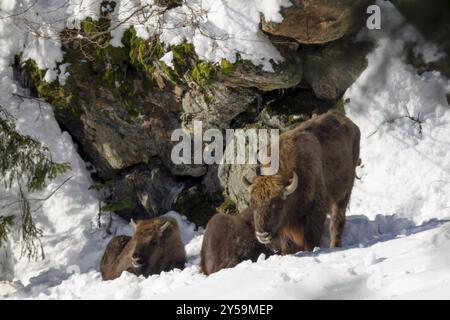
x: 263, y: 237
x: 137, y: 261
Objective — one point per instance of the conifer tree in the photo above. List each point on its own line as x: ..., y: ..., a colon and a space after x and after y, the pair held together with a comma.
x: 26, y: 166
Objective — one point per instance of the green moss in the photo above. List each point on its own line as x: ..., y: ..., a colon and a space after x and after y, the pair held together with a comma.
x: 226, y: 67
x: 208, y: 99
x: 118, y: 69
x: 89, y: 26
x: 60, y: 97
x: 203, y: 73
x: 183, y: 55
x: 181, y: 52
x: 142, y: 53
x: 171, y: 73
x: 340, y: 105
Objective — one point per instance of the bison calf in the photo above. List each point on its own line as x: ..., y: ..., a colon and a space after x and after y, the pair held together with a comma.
x: 228, y: 241
x: 154, y: 247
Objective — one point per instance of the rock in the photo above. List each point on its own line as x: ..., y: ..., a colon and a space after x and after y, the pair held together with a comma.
x: 105, y: 130
x: 230, y: 177
x: 215, y: 105
x: 331, y: 69
x: 197, y: 204
x: 115, y: 140
x: 319, y: 21
x: 210, y: 182
x: 286, y: 74
x: 151, y: 188
x: 287, y: 108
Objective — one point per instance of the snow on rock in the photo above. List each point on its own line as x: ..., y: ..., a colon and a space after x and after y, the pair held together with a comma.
x: 168, y: 59
x: 217, y: 29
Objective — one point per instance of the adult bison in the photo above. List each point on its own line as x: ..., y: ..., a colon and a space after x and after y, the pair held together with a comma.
x: 316, y: 175
x: 155, y: 246
x: 228, y: 241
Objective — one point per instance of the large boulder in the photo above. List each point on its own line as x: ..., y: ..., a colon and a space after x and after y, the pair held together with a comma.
x: 319, y: 21
x: 331, y: 69
x: 215, y: 105
x: 286, y: 74
x: 234, y: 189
x: 150, y: 189
x: 114, y: 139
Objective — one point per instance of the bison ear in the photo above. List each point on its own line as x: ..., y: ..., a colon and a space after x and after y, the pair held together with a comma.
x: 133, y: 224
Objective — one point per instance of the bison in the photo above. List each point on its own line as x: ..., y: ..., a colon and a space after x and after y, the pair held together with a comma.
x: 154, y: 247
x: 315, y: 178
x: 229, y: 240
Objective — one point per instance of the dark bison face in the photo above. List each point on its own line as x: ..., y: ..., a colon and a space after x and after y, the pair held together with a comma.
x: 267, y: 199
x: 148, y: 247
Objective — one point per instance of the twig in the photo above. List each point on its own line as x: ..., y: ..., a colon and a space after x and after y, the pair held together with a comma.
x: 37, y: 199
x: 416, y: 120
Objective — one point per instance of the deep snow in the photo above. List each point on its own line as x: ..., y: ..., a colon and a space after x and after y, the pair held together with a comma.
x: 395, y: 242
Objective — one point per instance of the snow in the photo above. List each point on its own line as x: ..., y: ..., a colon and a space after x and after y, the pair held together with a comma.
x: 397, y: 233
x: 406, y: 164
x: 168, y: 59
x: 217, y: 29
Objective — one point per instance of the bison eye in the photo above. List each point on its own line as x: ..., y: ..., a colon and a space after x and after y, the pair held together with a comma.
x: 153, y: 242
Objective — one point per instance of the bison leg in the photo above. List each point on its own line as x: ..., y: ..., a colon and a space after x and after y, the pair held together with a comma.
x: 337, y: 222
x: 314, y: 227
x: 108, y: 266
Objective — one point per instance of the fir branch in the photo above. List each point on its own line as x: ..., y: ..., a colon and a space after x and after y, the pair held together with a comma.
x: 26, y: 164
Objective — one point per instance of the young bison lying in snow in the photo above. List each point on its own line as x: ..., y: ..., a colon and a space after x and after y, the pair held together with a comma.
x: 228, y: 241
x: 155, y: 246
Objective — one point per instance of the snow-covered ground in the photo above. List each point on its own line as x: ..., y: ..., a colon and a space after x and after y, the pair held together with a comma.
x: 397, y: 237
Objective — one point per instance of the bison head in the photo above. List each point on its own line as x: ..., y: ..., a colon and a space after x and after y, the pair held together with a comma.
x: 267, y: 200
x: 148, y: 244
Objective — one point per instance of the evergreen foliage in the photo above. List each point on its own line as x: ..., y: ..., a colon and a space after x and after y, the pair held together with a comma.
x: 27, y: 165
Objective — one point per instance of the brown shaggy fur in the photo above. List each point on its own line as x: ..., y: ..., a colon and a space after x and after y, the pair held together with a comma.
x: 228, y: 241
x: 324, y: 153
x: 155, y: 247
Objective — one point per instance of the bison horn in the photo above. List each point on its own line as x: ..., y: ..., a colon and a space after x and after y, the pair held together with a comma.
x: 247, y: 183
x: 164, y: 226
x: 292, y: 185
x: 133, y: 224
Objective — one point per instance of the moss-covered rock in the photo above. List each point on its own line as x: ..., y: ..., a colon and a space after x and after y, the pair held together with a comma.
x: 216, y: 105
x: 243, y: 74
